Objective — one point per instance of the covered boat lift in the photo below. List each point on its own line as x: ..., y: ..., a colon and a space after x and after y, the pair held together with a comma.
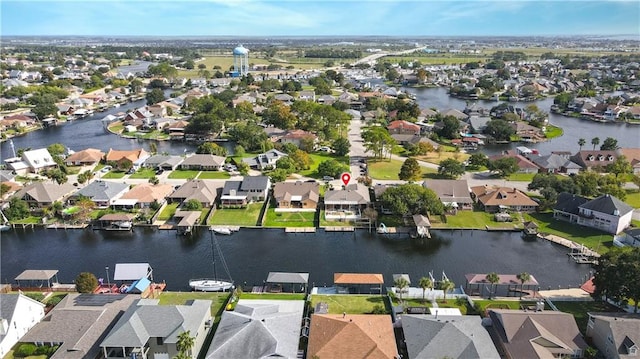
x: 358, y: 279
x: 280, y: 278
x: 477, y: 282
x: 130, y: 272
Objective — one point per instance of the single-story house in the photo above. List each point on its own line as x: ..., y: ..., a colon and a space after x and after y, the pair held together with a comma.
x: 630, y: 237
x: 524, y: 164
x: 137, y: 157
x: 145, y: 194
x: 403, y: 127
x: 454, y: 193
x: 101, y: 193
x: 240, y: 193
x: 296, y: 195
x: 88, y: 157
x: 258, y: 328
x: 297, y: 136
x: 150, y: 330
x: 43, y: 194
x: 346, y: 204
x: 497, y: 199
x: 202, y: 190
x: 606, y: 212
x: 554, y: 163
x: 202, y: 162
x: 166, y: 162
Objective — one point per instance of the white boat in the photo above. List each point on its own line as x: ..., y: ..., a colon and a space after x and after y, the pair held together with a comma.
x: 4, y: 227
x: 210, y: 285
x: 214, y: 284
x: 221, y: 230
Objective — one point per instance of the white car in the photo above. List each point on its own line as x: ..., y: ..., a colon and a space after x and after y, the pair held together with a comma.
x: 106, y: 169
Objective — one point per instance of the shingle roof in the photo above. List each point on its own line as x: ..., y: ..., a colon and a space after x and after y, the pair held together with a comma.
x: 102, y: 190
x: 608, y: 204
x: 450, y: 190
x: 623, y: 326
x: 358, y: 278
x: 202, y: 190
x: 146, y: 319
x: 162, y: 160
x: 88, y: 155
x: 365, y: 336
x: 569, y: 203
x: 428, y: 336
x: 45, y: 192
x: 306, y: 190
x: 502, y: 196
x: 352, y: 194
x: 132, y: 155
x: 147, y: 193
x: 258, y: 329
x: 38, y: 158
x: 204, y: 159
x: 287, y: 277
x: 254, y: 183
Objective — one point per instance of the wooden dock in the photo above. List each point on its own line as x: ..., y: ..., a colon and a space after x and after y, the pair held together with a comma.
x: 339, y: 229
x: 579, y: 252
x: 300, y: 230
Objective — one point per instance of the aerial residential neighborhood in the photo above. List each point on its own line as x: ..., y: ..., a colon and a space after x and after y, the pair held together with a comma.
x: 171, y: 191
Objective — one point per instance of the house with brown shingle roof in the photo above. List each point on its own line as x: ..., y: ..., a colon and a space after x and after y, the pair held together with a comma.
x: 403, y: 127
x: 523, y: 163
x: 88, y: 157
x: 340, y: 336
x: 495, y: 199
x: 589, y: 160
x: 529, y: 334
x: 43, y: 194
x: 137, y: 157
x: 633, y: 156
x: 296, y: 195
x: 297, y: 136
x: 616, y: 335
x: 202, y: 190
x: 145, y: 194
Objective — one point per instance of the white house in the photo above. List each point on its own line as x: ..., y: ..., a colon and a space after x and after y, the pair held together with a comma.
x: 18, y: 314
x: 606, y: 212
x: 32, y: 161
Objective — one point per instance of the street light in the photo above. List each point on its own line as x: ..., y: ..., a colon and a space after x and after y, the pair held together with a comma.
x: 108, y: 282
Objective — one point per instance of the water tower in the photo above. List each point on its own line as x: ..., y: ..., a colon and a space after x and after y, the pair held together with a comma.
x: 240, y: 61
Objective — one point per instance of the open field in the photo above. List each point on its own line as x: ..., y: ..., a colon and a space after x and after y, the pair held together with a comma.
x: 350, y: 304
x: 388, y: 170
x: 237, y: 216
x: 435, y: 157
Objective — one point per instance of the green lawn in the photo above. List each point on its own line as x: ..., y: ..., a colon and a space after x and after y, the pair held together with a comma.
x: 482, y: 305
x: 168, y: 211
x: 153, y: 135
x: 213, y: 175
x: 28, y: 220
x: 590, y: 237
x: 116, y: 127
x: 461, y: 303
x: 524, y: 177
x: 288, y: 219
x: 475, y: 219
x: 114, y: 175
x: 183, y: 174
x: 10, y: 356
x: 276, y: 296
x: 325, y: 223
x: 435, y: 157
x: 580, y: 310
x: 237, y: 216
x: 633, y: 198
x: 143, y: 173
x: 350, y: 304
x: 316, y: 159
x: 388, y: 170
x: 177, y: 298
x: 553, y: 131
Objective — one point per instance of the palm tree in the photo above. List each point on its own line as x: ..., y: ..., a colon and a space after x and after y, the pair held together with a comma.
x: 446, y: 286
x: 425, y: 282
x: 185, y: 343
x: 595, y: 141
x: 523, y: 277
x: 401, y: 283
x: 492, y: 278
x: 581, y: 142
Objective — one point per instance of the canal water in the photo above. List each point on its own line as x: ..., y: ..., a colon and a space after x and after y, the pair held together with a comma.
x: 252, y: 253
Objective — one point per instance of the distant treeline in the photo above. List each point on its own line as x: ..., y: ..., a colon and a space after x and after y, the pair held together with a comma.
x: 333, y: 53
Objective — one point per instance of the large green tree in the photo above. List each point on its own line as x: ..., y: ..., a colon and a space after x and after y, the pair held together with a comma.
x: 86, y: 282
x: 609, y: 144
x: 341, y: 146
x: 18, y: 209
x: 410, y: 170
x: 450, y: 128
x: 211, y: 148
x: 378, y: 141
x: 412, y: 198
x: 154, y: 96
x: 451, y: 168
x: 499, y: 129
x: 504, y: 166
x: 332, y: 168
x: 617, y: 274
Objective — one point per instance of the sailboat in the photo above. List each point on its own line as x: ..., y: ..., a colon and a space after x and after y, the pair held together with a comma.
x: 214, y: 284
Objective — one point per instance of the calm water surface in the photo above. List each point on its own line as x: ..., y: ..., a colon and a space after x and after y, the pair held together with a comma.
x: 252, y: 253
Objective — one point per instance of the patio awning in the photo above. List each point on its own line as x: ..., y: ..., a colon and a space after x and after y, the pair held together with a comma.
x: 36, y: 274
x: 288, y: 277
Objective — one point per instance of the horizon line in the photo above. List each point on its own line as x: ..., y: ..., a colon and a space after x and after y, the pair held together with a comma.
x: 335, y: 35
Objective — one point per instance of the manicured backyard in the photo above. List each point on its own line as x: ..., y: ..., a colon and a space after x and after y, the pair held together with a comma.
x: 178, y: 298
x: 350, y: 304
x: 236, y: 216
x: 288, y: 219
x: 590, y: 237
x: 474, y: 220
x: 633, y: 198
x: 579, y: 311
x: 168, y: 211
x: 213, y: 175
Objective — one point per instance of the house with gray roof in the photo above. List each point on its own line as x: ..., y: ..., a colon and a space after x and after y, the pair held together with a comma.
x: 43, y: 194
x: 454, y: 193
x: 259, y: 329
x: 555, y: 163
x: 149, y: 330
x: 616, y: 335
x: 166, y: 162
x: 240, y: 193
x: 18, y: 314
x: 79, y: 323
x: 202, y: 162
x: 204, y: 191
x: 529, y: 334
x: 346, y: 204
x: 265, y: 160
x: 606, y: 213
x: 102, y: 193
x: 431, y: 336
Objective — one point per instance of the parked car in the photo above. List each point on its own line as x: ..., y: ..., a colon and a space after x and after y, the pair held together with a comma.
x: 106, y: 169
x: 131, y: 171
x: 159, y: 171
x: 327, y: 178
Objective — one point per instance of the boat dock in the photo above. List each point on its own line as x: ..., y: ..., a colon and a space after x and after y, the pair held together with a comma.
x: 339, y: 229
x: 579, y: 252
x: 300, y: 230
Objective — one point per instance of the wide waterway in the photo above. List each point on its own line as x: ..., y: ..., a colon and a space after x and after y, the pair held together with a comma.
x: 252, y: 253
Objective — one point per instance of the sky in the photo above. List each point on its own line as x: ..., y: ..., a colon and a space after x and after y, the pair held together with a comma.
x: 319, y: 18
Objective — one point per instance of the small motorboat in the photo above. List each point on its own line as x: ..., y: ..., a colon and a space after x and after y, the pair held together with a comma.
x: 221, y: 230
